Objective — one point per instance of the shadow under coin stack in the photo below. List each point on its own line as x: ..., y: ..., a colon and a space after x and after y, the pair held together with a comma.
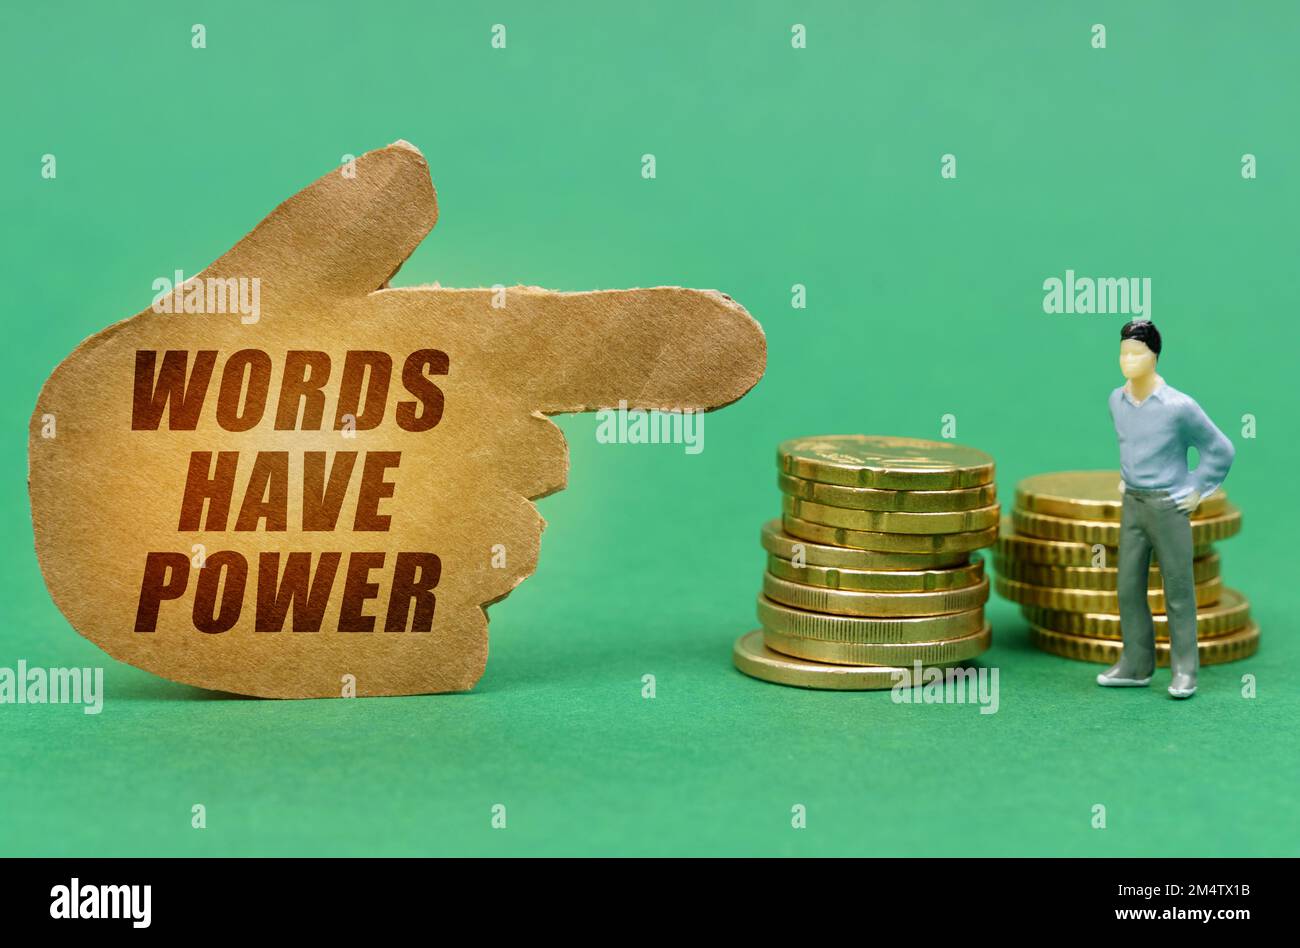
x: 1058, y: 558
x: 872, y: 567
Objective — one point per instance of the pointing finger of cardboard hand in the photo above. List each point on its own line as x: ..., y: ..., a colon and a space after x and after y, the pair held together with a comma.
x: 664, y: 348
x: 345, y: 234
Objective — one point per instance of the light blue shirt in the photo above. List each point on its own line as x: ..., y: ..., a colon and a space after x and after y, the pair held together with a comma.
x: 1154, y: 436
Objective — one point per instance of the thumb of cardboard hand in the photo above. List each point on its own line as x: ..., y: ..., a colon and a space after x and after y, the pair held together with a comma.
x: 320, y: 497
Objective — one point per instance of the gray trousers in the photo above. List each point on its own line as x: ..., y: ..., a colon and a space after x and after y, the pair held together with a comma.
x: 1150, y: 520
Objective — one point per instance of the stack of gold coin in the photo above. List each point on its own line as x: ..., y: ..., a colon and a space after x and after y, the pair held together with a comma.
x: 1058, y: 557
x: 872, y: 567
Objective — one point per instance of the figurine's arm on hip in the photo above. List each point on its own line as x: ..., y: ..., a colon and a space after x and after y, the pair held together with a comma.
x: 1216, y: 451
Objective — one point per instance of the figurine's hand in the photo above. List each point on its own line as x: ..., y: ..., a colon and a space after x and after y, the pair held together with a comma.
x: 456, y: 494
x: 1190, y: 502
x: 1121, y: 487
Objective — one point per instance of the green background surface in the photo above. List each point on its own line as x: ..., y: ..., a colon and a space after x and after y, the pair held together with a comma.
x: 775, y: 166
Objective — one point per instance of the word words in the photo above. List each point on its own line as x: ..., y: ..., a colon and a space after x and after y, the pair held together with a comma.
x: 361, y: 401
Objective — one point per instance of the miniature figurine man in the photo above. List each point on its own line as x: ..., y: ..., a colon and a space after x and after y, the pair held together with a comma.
x: 1156, y: 424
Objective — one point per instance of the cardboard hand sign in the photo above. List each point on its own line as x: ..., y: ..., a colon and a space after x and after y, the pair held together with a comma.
x: 332, y: 488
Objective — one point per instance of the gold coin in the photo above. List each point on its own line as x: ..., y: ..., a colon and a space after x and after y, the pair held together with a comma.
x: 1238, y: 644
x: 1093, y: 600
x: 1206, y: 530
x: 1090, y: 495
x: 890, y: 542
x: 1093, y: 577
x: 892, y: 521
x: 755, y: 659
x: 894, y: 655
x: 1019, y: 546
x: 885, y: 462
x: 1230, y: 613
x: 862, y: 630
x: 871, y: 498
x: 852, y: 602
x: 779, y: 543
x: 882, y: 580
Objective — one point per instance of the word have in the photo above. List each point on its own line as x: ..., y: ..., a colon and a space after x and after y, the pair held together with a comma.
x: 180, y: 390
x: 1103, y: 295
x: 266, y: 493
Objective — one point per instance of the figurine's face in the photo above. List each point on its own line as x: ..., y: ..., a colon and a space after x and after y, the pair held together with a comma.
x: 1135, y: 359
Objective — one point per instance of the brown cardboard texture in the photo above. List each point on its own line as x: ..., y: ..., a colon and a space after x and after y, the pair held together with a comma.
x: 301, y: 481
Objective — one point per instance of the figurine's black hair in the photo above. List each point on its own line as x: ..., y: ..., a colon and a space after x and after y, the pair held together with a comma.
x: 1144, y: 331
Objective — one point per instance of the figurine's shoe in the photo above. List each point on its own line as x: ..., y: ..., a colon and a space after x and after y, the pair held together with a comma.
x: 1119, y: 677
x: 1182, y: 686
